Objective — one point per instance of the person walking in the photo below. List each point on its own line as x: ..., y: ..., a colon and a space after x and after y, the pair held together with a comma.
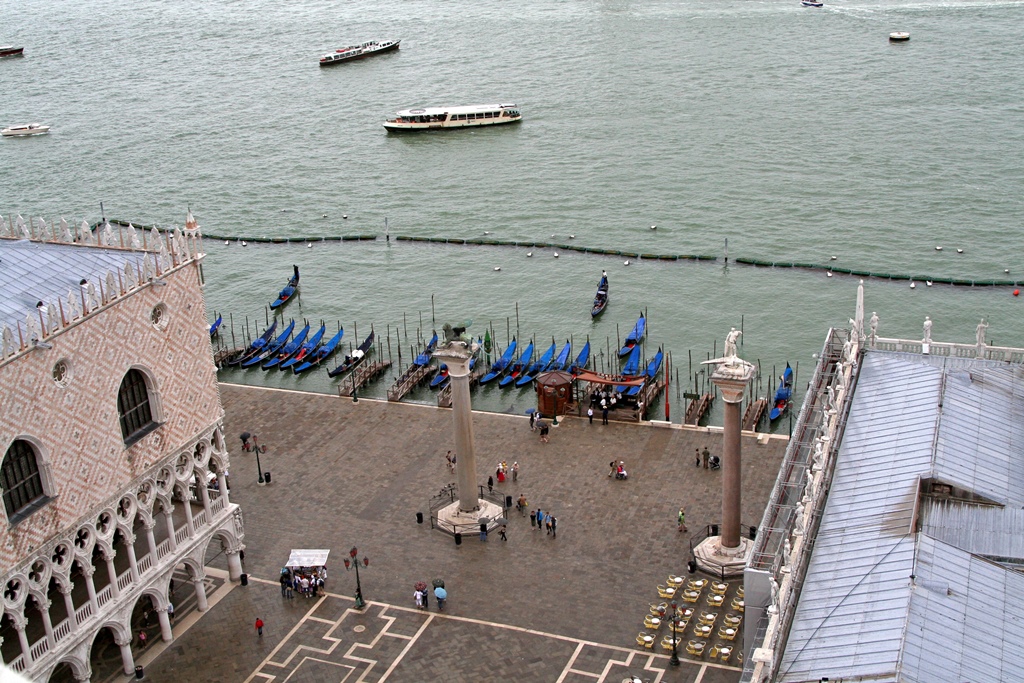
x: 533, y: 421
x: 521, y: 504
x: 543, y: 432
x: 418, y: 597
x: 142, y: 639
x: 490, y: 484
x: 590, y: 414
x: 604, y: 414
x: 448, y: 459
x: 533, y: 518
x: 706, y: 455
x: 170, y: 612
x: 554, y: 527
x: 442, y: 597
x: 611, y: 468
x: 540, y: 519
x: 682, y: 519
x: 547, y: 524
x: 284, y: 584
x: 515, y: 471
x: 259, y: 627
x: 483, y: 531
x: 501, y: 533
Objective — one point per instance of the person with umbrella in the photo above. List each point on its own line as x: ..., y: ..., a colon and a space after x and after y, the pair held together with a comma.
x: 244, y: 436
x: 441, y: 594
x: 421, y: 594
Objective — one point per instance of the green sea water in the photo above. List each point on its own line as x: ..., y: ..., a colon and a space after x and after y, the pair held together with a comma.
x: 796, y: 134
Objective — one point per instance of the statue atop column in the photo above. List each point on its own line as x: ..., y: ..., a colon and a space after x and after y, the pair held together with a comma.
x: 874, y: 327
x: 927, y: 330
x: 730, y: 343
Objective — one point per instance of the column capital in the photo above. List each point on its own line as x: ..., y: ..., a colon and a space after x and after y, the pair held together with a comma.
x: 123, y: 640
x: 456, y: 354
x: 732, y: 378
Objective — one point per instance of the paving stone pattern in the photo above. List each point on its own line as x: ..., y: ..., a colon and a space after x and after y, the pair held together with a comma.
x: 535, y: 608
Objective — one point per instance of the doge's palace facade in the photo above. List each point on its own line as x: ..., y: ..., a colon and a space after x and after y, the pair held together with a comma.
x: 114, y: 466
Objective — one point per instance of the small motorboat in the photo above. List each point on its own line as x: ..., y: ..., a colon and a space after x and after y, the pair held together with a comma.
x: 899, y: 36
x: 11, y: 51
x: 26, y: 129
x: 812, y: 3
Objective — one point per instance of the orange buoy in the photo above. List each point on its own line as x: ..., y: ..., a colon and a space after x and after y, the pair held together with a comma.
x: 1016, y: 292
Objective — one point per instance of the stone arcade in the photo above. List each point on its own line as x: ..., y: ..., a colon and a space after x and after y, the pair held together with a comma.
x: 114, y: 467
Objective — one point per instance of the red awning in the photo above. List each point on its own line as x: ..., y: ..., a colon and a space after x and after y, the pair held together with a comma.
x: 598, y: 378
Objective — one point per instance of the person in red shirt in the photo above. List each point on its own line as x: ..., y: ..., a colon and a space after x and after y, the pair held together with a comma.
x: 259, y: 626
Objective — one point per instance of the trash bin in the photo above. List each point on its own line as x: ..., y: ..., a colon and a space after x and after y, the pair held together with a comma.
x: 714, y: 530
x: 458, y: 538
x: 244, y: 579
x: 691, y: 566
x: 419, y: 518
x: 508, y: 502
x: 140, y: 673
x: 753, y: 533
x: 266, y: 477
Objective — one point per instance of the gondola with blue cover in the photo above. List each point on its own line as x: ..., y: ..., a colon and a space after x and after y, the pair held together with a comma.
x: 538, y: 366
x: 270, y: 349
x: 601, y: 298
x: 634, y: 337
x: 652, y: 371
x: 517, y: 368
x: 255, y: 347
x: 581, y: 361
x: 782, y: 394
x: 285, y: 295
x: 356, y: 358
x: 501, y: 364
x: 320, y: 354
x: 288, y: 351
x: 305, y: 349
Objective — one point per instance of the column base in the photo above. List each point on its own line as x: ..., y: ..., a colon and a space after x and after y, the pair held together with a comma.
x: 452, y: 520
x: 714, y: 559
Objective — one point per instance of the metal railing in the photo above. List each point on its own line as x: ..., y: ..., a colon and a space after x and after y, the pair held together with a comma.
x: 448, y: 495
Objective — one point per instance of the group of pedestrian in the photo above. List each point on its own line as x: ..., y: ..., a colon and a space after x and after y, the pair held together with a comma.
x: 450, y: 458
x: 422, y: 596
x: 501, y: 473
x: 544, y: 520
x: 711, y: 462
x: 308, y: 583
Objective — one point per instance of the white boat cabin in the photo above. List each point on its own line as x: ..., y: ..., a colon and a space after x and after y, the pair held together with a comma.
x: 454, y: 117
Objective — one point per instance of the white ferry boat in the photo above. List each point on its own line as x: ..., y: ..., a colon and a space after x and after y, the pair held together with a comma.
x: 469, y: 116
x: 347, y: 54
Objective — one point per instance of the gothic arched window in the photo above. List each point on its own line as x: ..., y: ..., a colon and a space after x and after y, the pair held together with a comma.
x: 133, y: 407
x: 21, y: 482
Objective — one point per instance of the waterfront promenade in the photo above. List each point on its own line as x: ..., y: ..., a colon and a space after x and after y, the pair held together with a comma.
x: 534, y: 608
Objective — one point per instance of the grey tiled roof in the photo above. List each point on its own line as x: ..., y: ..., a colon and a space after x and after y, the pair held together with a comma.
x: 860, y: 612
x: 31, y: 272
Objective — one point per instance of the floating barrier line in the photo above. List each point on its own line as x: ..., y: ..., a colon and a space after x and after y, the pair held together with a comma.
x: 612, y: 252
x: 881, y: 276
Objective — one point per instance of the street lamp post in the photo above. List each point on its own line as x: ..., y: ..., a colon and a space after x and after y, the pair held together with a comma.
x: 256, y: 447
x: 673, y: 625
x: 353, y: 561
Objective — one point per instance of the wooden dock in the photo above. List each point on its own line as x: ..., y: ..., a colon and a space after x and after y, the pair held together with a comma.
x: 362, y: 376
x: 646, y: 397
x: 755, y: 411
x: 697, y: 409
x: 221, y: 355
x: 404, y: 384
